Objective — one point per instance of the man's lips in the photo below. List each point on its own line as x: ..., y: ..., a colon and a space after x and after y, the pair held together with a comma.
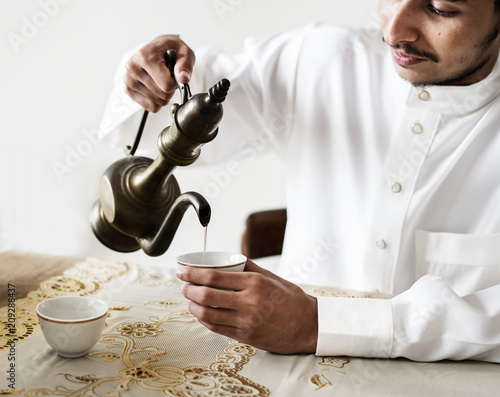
x: 404, y: 59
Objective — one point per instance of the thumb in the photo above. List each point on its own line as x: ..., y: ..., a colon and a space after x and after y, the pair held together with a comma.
x: 184, y: 66
x: 253, y: 267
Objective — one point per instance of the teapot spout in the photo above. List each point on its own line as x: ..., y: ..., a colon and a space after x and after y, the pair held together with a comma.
x: 157, y: 244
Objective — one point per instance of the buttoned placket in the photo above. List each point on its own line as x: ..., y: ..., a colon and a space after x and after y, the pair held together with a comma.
x: 401, y: 170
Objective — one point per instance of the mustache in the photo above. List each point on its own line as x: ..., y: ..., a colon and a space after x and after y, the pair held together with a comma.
x: 412, y: 51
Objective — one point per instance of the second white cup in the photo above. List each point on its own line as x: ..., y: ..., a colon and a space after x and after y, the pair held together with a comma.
x: 72, y: 325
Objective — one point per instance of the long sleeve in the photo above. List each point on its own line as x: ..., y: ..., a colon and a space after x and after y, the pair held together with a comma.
x: 432, y: 322
x: 428, y: 322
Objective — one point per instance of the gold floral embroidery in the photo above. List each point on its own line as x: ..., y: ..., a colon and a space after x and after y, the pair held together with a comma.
x: 80, y: 379
x: 117, y: 308
x: 164, y: 304
x: 157, y: 280
x: 329, y: 292
x: 10, y: 392
x: 61, y: 285
x: 139, y: 330
x: 108, y: 357
x: 84, y: 278
x: 143, y: 369
x: 234, y: 357
x: 320, y: 381
x: 334, y: 362
x: 183, y: 316
x: 120, y: 308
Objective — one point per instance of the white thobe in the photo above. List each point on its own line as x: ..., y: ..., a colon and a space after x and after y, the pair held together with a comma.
x: 390, y: 188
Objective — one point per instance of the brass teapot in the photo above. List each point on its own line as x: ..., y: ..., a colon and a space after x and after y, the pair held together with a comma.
x: 140, y: 203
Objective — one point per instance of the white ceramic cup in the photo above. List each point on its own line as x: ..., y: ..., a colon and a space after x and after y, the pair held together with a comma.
x: 225, y: 261
x: 72, y: 325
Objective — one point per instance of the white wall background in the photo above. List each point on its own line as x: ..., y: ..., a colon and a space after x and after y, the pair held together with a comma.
x: 57, y: 61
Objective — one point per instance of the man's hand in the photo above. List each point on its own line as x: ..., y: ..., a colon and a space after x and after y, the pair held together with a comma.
x: 255, y: 307
x: 147, y: 78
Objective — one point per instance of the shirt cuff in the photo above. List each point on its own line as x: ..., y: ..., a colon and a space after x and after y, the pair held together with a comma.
x: 356, y: 327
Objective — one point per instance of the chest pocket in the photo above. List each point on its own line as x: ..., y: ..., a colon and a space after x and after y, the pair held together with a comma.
x: 468, y: 262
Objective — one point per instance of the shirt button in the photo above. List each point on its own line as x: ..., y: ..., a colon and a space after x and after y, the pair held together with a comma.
x: 424, y: 95
x: 416, y: 128
x: 396, y: 187
x: 381, y: 244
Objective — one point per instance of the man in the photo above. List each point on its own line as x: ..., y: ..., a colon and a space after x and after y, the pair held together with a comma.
x: 393, y: 183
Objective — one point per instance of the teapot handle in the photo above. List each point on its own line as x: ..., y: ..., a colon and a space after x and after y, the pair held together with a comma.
x: 170, y: 60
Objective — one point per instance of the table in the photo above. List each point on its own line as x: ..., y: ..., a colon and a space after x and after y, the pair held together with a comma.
x: 153, y: 346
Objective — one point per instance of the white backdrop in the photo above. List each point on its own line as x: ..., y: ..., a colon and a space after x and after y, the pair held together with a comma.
x: 58, y: 58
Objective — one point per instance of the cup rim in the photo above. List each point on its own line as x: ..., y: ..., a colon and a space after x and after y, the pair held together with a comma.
x: 242, y: 260
x: 211, y: 266
x: 75, y: 320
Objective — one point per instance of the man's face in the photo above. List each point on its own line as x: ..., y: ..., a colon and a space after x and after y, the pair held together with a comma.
x: 441, y: 42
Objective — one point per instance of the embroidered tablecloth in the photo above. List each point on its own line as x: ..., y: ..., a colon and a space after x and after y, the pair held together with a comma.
x: 152, y: 346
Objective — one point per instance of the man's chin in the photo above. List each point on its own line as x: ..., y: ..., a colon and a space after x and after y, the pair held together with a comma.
x: 413, y: 78
x: 424, y: 78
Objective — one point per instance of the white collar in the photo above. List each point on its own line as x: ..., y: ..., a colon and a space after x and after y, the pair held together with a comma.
x: 457, y: 99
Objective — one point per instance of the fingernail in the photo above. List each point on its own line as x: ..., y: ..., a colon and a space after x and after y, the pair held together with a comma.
x: 187, y: 77
x: 179, y: 273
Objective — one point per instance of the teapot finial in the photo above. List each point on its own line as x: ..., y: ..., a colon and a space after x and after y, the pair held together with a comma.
x: 219, y: 91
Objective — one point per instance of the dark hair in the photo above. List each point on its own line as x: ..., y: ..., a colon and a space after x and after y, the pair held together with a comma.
x: 497, y: 5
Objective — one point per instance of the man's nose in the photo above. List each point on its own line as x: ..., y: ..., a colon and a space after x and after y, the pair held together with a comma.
x: 400, y: 22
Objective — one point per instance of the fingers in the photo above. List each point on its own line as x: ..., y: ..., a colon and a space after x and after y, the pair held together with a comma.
x: 230, y: 290
x: 149, y: 97
x: 210, y: 297
x: 147, y: 78
x: 227, y: 330
x: 212, y: 278
x: 225, y: 321
x: 212, y: 316
x: 139, y: 80
x: 155, y: 65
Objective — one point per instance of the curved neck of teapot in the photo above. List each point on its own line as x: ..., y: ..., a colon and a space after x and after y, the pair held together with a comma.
x: 156, y: 244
